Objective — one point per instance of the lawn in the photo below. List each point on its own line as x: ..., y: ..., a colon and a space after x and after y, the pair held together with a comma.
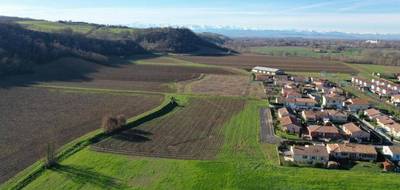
x: 242, y: 163
x: 287, y: 136
x: 366, y: 70
x: 293, y: 51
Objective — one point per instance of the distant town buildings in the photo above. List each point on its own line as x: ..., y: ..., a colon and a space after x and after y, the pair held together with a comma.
x: 267, y: 71
x: 372, y: 41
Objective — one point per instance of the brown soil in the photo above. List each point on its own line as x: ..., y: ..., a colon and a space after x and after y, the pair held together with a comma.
x: 32, y: 117
x: 190, y: 132
x: 247, y: 61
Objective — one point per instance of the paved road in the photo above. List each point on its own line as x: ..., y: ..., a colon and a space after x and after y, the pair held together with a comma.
x: 267, y: 133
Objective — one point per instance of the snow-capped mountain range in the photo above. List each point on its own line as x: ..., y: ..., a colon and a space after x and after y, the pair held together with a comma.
x: 243, y: 32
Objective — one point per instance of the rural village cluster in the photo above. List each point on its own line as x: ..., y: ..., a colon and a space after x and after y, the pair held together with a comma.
x: 319, y: 124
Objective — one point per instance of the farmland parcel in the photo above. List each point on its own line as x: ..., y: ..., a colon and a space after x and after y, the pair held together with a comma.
x: 31, y: 118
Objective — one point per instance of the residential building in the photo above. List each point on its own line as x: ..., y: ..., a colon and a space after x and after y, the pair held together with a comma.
x: 309, y: 154
x: 336, y: 116
x: 267, y: 71
x: 357, y: 104
x: 301, y: 103
x: 393, y: 152
x: 286, y: 90
x: 283, y: 112
x: 312, y: 117
x: 384, y: 120
x: 394, y: 129
x: 333, y: 101
x: 355, y: 132
x: 290, y: 124
x: 352, y: 151
x: 372, y: 113
x: 395, y: 99
x: 293, y: 95
x: 309, y: 116
x: 323, y: 132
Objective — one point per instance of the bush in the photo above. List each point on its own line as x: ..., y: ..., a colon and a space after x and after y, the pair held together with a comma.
x: 113, y: 123
x: 319, y: 165
x: 121, y: 120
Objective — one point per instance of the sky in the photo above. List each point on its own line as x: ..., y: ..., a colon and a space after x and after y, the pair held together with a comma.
x: 352, y: 16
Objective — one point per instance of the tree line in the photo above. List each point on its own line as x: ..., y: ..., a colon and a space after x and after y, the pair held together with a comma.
x: 385, y: 52
x: 21, y: 49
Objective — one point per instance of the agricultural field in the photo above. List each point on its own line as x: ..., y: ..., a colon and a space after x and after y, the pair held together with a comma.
x: 247, y: 61
x: 119, y: 75
x: 192, y: 131
x: 32, y: 117
x: 223, y: 85
x: 241, y: 163
x: 46, y: 26
x: 163, y: 60
x: 293, y: 51
x: 366, y: 70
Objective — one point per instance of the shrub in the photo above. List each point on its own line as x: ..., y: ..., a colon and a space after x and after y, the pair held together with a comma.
x: 113, y: 123
x: 121, y: 120
x: 319, y: 165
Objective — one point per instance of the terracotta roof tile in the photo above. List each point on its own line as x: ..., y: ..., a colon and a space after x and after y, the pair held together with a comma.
x: 352, y: 148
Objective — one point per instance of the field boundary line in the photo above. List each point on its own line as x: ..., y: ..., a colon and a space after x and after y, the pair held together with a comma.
x: 25, y: 177
x: 97, y: 90
x: 133, y: 92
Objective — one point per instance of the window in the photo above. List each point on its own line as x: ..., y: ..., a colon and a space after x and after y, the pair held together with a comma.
x: 305, y: 157
x: 322, y: 159
x: 344, y: 154
x: 313, y: 157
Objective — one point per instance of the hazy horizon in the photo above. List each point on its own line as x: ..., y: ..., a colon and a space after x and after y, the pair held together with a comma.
x: 349, y: 16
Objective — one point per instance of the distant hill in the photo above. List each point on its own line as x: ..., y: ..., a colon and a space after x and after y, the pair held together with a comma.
x: 22, y: 49
x: 214, y: 38
x: 172, y: 40
x: 25, y: 43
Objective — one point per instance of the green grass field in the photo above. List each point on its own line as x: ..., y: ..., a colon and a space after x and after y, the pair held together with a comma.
x: 242, y: 163
x: 81, y: 28
x: 302, y: 52
x: 367, y: 70
x: 45, y: 26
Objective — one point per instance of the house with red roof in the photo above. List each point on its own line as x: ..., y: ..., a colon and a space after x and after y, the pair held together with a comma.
x: 352, y: 152
x: 353, y: 131
x: 357, y: 104
x: 309, y: 154
x: 323, y: 132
